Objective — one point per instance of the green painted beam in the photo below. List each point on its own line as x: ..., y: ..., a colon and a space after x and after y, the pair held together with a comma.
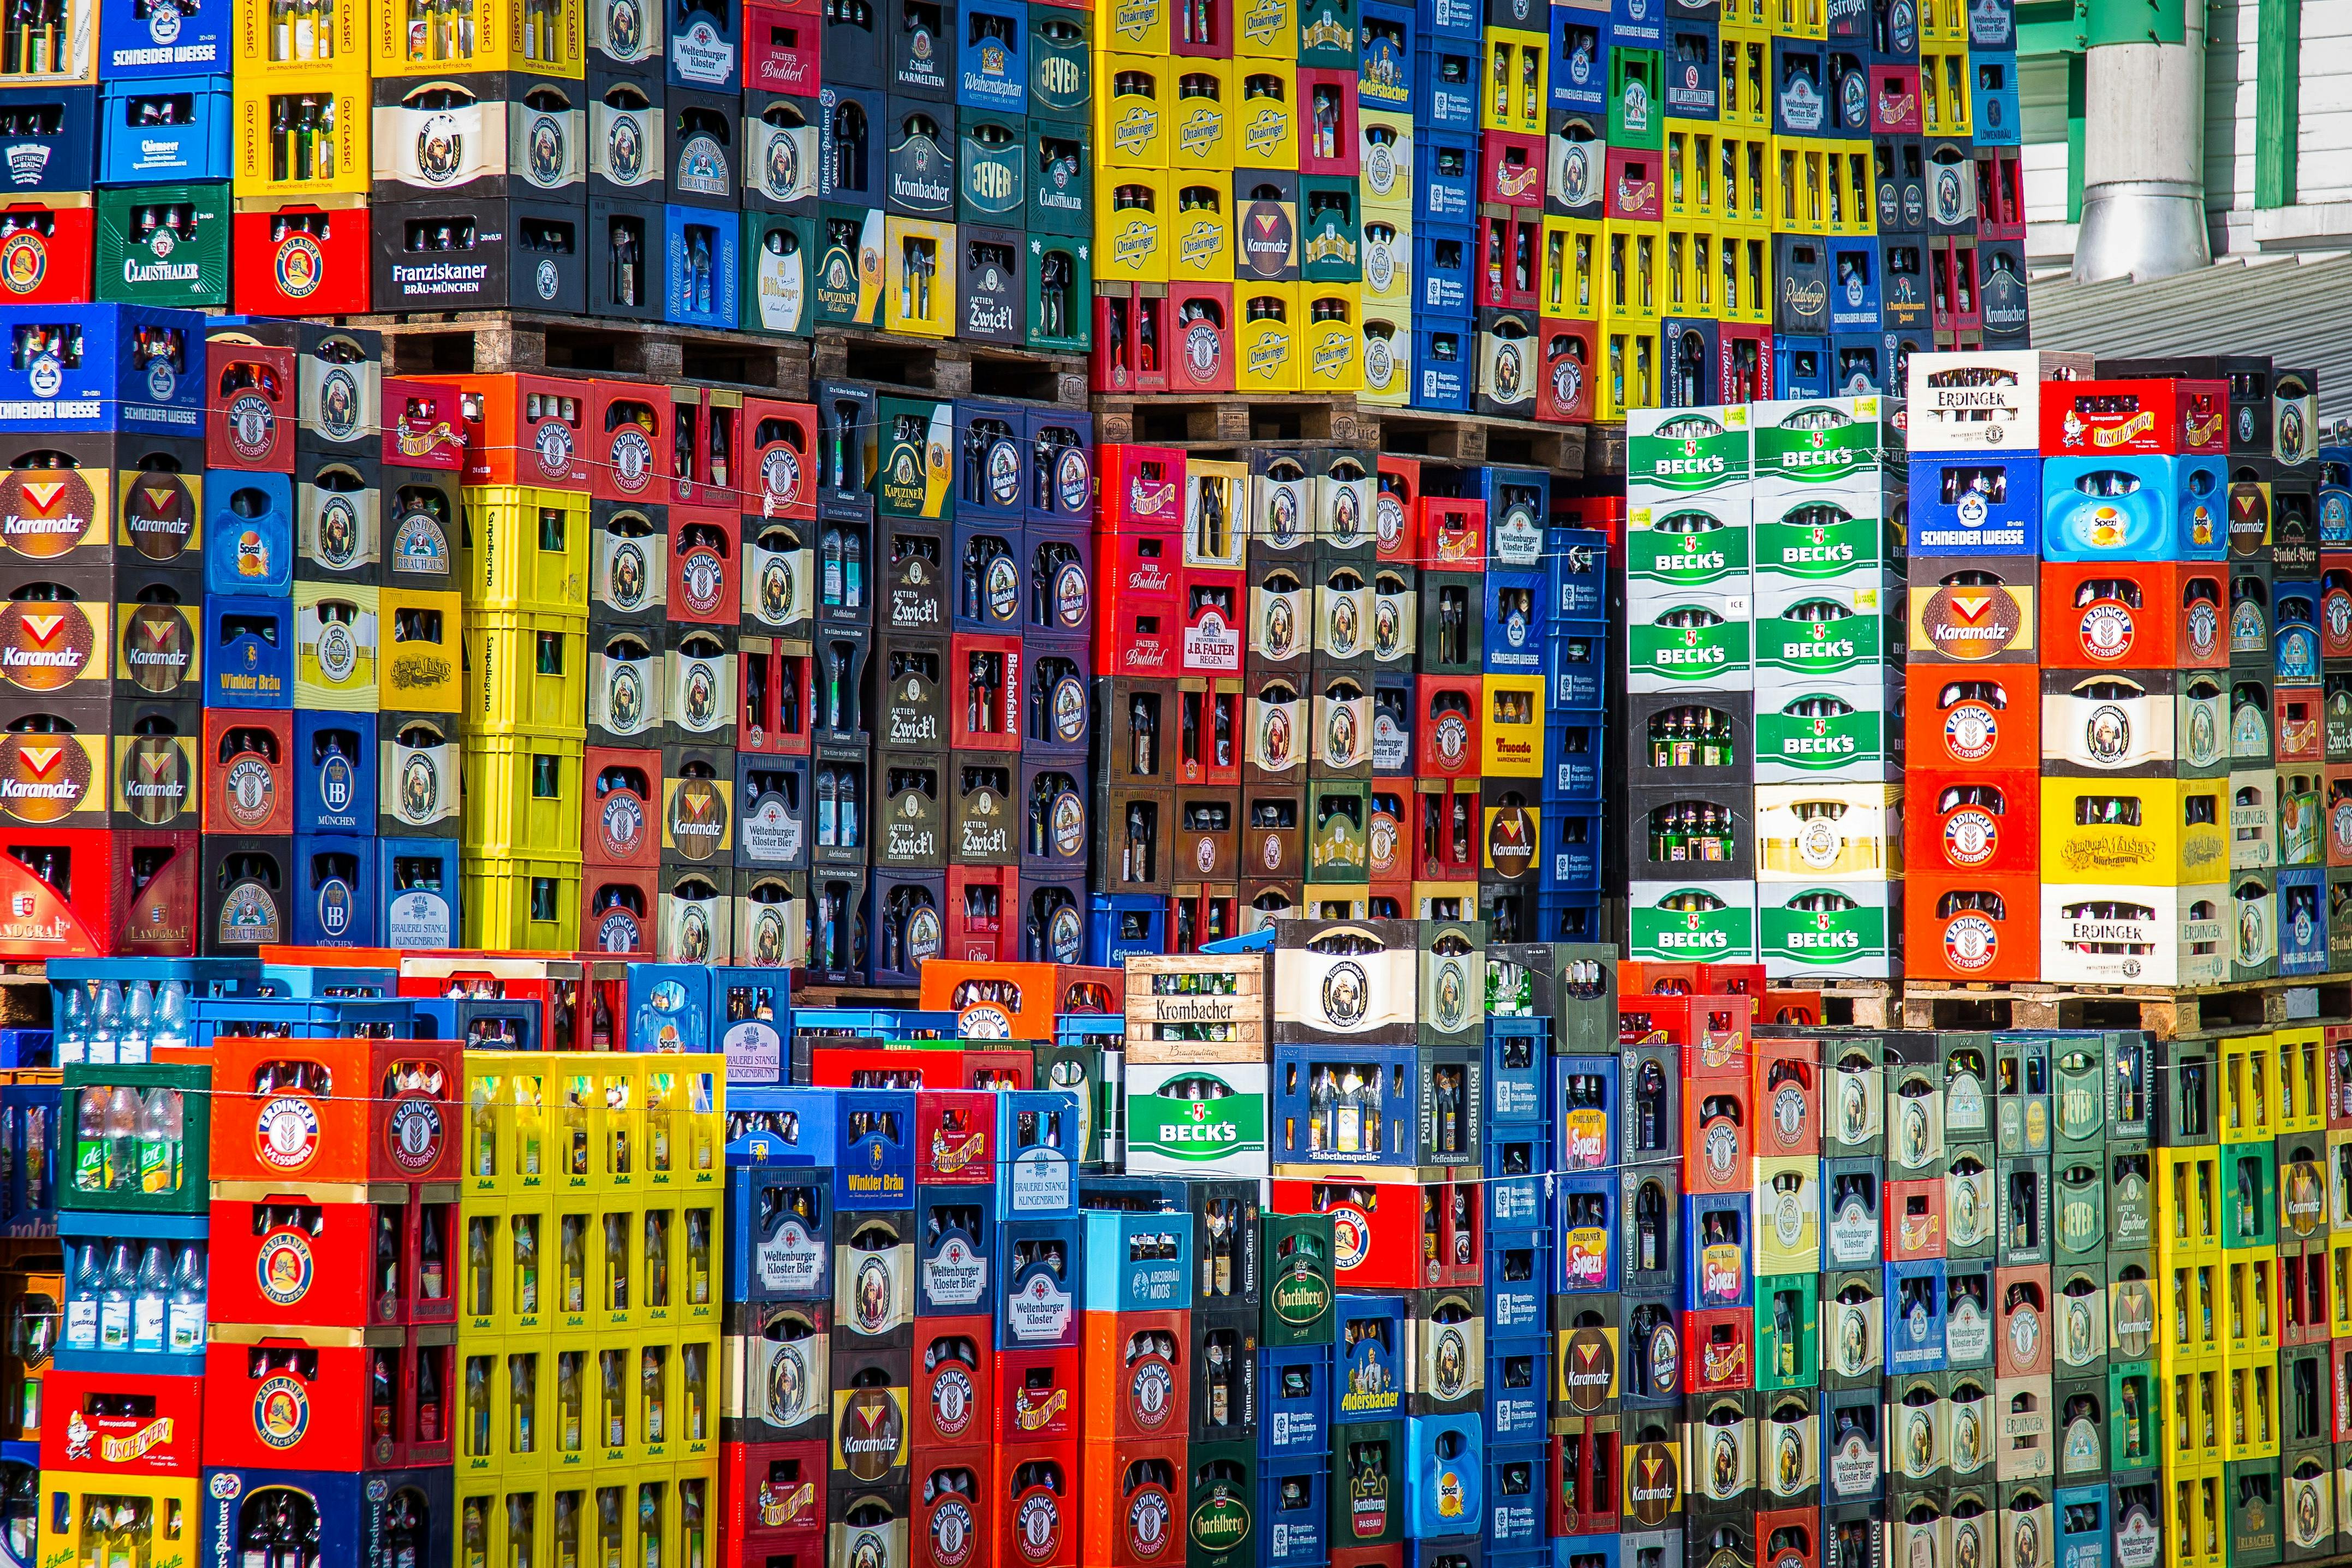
x: 2075, y: 98
x: 2134, y: 22
x: 2278, y: 72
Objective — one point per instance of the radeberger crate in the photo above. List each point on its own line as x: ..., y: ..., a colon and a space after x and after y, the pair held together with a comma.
x: 1196, y: 1008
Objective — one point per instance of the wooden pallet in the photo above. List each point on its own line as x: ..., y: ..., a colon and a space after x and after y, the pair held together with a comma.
x: 459, y: 342
x: 1475, y: 438
x: 24, y: 995
x: 2168, y: 1012
x: 1175, y: 419
x: 1604, y: 453
x: 1846, y: 1003
x: 952, y: 367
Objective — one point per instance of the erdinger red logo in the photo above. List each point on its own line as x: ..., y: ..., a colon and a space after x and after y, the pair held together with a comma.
x: 1971, y: 732
x: 1971, y: 836
x: 1972, y: 942
x: 2106, y: 630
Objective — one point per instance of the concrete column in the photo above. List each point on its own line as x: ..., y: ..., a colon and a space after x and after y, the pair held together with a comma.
x: 2143, y: 145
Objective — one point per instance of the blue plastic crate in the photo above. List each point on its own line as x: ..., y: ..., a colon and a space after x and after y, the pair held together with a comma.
x: 1584, y: 1099
x: 1445, y: 189
x: 1571, y: 849
x: 334, y: 773
x: 136, y: 39
x: 65, y: 159
x: 1974, y: 505
x: 1854, y: 285
x: 321, y: 1017
x: 955, y: 1251
x: 1368, y: 1373
x: 1518, y: 1487
x: 1041, y: 1289
x: 1459, y: 19
x: 1120, y: 925
x: 1294, y: 1510
x: 335, y: 904
x: 249, y: 534
x: 1516, y: 626
x: 1518, y: 1387
x: 103, y: 367
x: 1576, y: 569
x: 1518, y: 1052
x: 1139, y: 1261
x: 1343, y: 1134
x: 779, y: 1234
x: 2302, y: 916
x: 1039, y: 1147
x: 1442, y: 272
x: 1587, y: 1231
x: 1914, y: 1301
x: 1568, y: 917
x: 1575, y: 668
x: 1295, y: 1400
x: 1572, y: 759
x: 755, y: 1017
x: 1994, y: 114
x: 669, y: 1007
x: 699, y: 283
x: 1516, y: 1206
x: 1801, y: 363
x: 1518, y: 1285
x: 419, y: 887
x: 1579, y: 62
x: 1443, y: 1477
x: 1441, y: 352
x: 193, y: 150
x: 1718, y: 1252
x: 1390, y: 36
x: 993, y: 70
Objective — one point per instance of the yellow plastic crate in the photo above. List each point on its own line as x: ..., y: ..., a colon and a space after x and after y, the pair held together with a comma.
x: 1945, y: 105
x: 522, y: 795
x: 1631, y: 376
x: 530, y: 905
x: 2193, y: 1309
x: 526, y: 674
x: 2249, y: 1427
x: 2302, y: 1078
x: 337, y: 633
x: 2188, y: 1202
x: 1744, y: 167
x: 546, y: 40
x: 1797, y: 186
x: 525, y: 549
x: 302, y: 132
x: 2249, y: 1100
x: 2196, y: 1528
x: 418, y: 651
x: 1745, y: 99
x: 1800, y: 19
x: 1570, y: 286
x: 1694, y: 180
x: 1691, y: 273
x: 1633, y: 269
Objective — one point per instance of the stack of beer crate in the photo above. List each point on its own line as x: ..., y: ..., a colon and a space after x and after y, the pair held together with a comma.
x: 591, y: 1264
x: 1574, y: 824
x: 160, y: 139
x: 334, y: 1209
x: 102, y: 804
x: 1448, y: 718
x: 1228, y: 218
x: 2141, y: 836
x: 335, y: 528
x: 1691, y: 684
x: 119, y: 1411
x: 1829, y: 497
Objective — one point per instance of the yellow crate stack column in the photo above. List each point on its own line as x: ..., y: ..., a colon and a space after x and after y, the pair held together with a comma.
x: 523, y: 713
x: 592, y: 1278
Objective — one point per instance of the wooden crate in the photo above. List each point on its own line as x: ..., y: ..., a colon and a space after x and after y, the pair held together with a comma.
x: 1160, y: 1013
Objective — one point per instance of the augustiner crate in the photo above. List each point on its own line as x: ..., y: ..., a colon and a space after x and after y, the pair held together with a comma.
x: 1196, y: 1008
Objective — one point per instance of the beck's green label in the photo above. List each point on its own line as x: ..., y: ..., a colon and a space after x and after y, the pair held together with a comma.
x: 1698, y: 655
x: 1689, y: 450
x: 1206, y: 1131
x: 1819, y: 938
x: 1819, y: 648
x: 1820, y: 442
x: 1823, y: 743
x: 1667, y: 934
x: 1813, y: 542
x: 1691, y: 547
